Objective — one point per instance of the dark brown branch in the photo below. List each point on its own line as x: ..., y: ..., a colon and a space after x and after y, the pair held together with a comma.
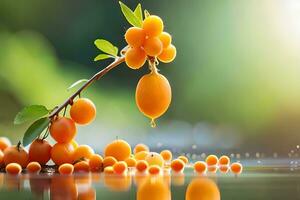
x: 97, y: 76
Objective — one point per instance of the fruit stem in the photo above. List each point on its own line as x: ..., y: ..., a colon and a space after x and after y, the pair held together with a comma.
x: 152, y: 64
x: 95, y: 77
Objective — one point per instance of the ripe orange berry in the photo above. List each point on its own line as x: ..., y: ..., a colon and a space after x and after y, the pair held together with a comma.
x: 140, y: 147
x: 83, y: 111
x: 166, y: 154
x: 82, y: 166
x: 153, y: 46
x: 135, y: 36
x: 168, y: 54
x: 40, y: 151
x: 135, y: 57
x: 109, y: 170
x: 120, y: 167
x: 33, y: 167
x: 184, y: 159
x: 202, y: 188
x: 236, y: 168
x: 63, y: 130
x: 154, y: 169
x: 62, y: 153
x: 166, y: 39
x: 200, y: 167
x: 211, y: 160
x: 66, y: 169
x: 224, y: 160
x: 82, y: 151
x: 131, y: 162
x: 13, y: 168
x: 153, y: 26
x: 119, y: 149
x: 4, y: 143
x: 16, y: 154
x: 141, y: 155
x: 153, y: 95
x: 109, y: 161
x: 155, y: 159
x: 141, y: 165
x: 96, y: 162
x: 153, y: 188
x: 177, y: 165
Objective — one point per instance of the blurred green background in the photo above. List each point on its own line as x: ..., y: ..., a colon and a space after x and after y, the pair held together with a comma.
x: 235, y: 81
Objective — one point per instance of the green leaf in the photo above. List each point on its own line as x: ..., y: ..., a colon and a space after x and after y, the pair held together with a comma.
x: 30, y: 113
x: 146, y: 13
x: 130, y: 16
x: 35, y: 130
x: 138, y: 12
x: 102, y: 57
x: 106, y: 47
x: 77, y: 82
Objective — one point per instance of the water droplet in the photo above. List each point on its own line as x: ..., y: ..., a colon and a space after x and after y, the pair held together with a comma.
x: 152, y: 123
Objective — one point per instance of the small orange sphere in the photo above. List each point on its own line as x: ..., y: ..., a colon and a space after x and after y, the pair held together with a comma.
x: 135, y: 58
x: 66, y: 169
x: 154, y: 170
x: 13, y: 169
x: 153, y: 95
x: 16, y: 154
x: 153, y: 26
x: 140, y: 147
x: 224, y: 168
x: 236, y: 168
x: 166, y: 154
x: 153, y: 188
x: 62, y: 153
x: 155, y: 159
x: 83, y: 111
x: 211, y: 160
x: 63, y: 130
x: 96, y: 162
x: 4, y: 143
x: 141, y: 165
x: 200, y: 167
x: 119, y: 149
x: 224, y: 160
x: 184, y: 159
x: 166, y: 39
x: 109, y: 170
x: 153, y: 46
x: 109, y: 161
x: 202, y: 188
x: 141, y: 155
x: 177, y: 165
x: 82, y: 151
x: 120, y: 167
x: 40, y: 151
x: 135, y: 36
x: 82, y: 166
x: 131, y: 162
x: 33, y: 167
x: 168, y: 54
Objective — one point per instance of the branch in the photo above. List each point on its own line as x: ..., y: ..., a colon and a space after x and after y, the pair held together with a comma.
x: 94, y: 78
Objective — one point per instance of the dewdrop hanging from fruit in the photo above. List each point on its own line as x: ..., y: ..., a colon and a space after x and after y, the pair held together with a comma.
x: 149, y: 43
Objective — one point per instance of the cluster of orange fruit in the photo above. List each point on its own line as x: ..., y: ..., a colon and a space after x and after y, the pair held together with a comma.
x: 118, y: 158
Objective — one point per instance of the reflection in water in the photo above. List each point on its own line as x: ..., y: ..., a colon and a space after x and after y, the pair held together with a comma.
x: 202, y: 189
x: 154, y: 188
x: 63, y: 187
x: 117, y: 182
x: 13, y: 182
x: 38, y: 185
x: 178, y: 179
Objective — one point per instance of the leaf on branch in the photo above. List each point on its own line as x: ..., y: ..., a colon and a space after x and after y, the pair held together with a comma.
x: 35, y: 130
x: 130, y: 16
x: 138, y: 12
x: 106, y: 47
x: 146, y: 13
x: 77, y: 83
x: 31, y: 113
x: 102, y: 57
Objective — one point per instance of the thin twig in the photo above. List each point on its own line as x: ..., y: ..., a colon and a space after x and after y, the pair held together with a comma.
x: 97, y: 76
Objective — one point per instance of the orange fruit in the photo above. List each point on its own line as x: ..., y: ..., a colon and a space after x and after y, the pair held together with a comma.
x: 202, y: 188
x: 135, y: 57
x: 166, y: 39
x: 153, y: 46
x: 135, y: 36
x: 155, y: 159
x: 63, y: 130
x: 82, y: 151
x: 153, y: 26
x: 62, y: 153
x: 16, y: 154
x: 140, y: 147
x: 168, y: 54
x: 120, y: 167
x: 66, y: 169
x: 141, y: 155
x: 177, y: 165
x: 109, y: 161
x: 236, y: 168
x: 153, y: 95
x: 154, y: 169
x: 224, y: 160
x: 211, y: 160
x: 13, y: 169
x: 119, y: 149
x: 200, y: 167
x: 109, y: 170
x: 4, y: 143
x: 33, y: 167
x: 153, y: 189
x: 40, y: 151
x: 63, y: 187
x: 131, y: 162
x: 224, y: 168
x: 141, y: 165
x: 82, y: 166
x: 83, y: 111
x: 184, y: 159
x: 166, y: 154
x: 96, y: 162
